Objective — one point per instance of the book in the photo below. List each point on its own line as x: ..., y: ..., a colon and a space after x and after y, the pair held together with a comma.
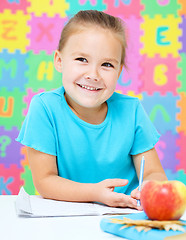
x: 36, y: 206
x: 132, y: 233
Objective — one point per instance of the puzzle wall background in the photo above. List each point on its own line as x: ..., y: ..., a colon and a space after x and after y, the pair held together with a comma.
x: 156, y: 55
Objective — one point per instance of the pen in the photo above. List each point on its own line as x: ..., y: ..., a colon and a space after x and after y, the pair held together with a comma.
x: 141, y: 177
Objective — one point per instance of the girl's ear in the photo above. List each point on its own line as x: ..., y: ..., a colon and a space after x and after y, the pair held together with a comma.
x: 57, y: 61
x: 121, y: 67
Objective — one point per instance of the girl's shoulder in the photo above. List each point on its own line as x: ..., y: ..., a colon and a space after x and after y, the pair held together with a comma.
x: 121, y: 104
x: 118, y: 98
x: 56, y: 92
x: 47, y: 100
x: 49, y: 96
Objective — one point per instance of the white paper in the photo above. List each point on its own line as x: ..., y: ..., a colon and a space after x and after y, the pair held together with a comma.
x: 36, y: 206
x: 183, y: 217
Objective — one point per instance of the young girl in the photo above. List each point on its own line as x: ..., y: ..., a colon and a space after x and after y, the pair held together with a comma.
x: 84, y: 141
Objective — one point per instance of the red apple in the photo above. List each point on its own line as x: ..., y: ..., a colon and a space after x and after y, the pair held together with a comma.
x: 164, y: 200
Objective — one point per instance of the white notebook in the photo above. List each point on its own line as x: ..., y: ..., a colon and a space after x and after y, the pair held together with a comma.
x: 36, y: 206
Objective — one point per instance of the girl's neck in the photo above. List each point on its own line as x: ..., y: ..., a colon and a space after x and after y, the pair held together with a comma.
x: 90, y: 115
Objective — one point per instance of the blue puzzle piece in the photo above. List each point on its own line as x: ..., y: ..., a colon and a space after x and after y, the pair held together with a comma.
x: 162, y: 111
x: 12, y: 69
x: 170, y: 175
x: 77, y: 5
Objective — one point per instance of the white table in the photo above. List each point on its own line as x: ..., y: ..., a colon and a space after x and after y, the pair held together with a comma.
x: 13, y: 227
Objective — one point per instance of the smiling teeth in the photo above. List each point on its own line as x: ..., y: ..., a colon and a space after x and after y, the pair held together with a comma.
x: 89, y: 88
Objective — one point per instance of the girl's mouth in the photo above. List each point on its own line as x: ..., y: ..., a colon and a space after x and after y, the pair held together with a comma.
x: 88, y: 87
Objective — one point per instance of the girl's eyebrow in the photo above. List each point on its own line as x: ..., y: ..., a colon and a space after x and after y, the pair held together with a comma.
x: 80, y: 54
x: 110, y: 60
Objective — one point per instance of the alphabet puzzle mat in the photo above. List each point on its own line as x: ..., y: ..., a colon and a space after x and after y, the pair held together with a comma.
x: 156, y: 56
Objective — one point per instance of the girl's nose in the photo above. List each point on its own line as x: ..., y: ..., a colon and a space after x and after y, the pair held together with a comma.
x: 92, y: 75
x: 91, y: 78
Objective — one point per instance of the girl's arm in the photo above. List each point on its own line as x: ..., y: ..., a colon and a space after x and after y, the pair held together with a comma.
x: 153, y: 169
x: 50, y: 185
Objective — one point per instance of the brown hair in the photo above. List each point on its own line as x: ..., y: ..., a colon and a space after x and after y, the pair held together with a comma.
x: 94, y: 17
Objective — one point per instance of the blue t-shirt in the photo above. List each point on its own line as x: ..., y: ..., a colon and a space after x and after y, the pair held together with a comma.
x: 85, y: 152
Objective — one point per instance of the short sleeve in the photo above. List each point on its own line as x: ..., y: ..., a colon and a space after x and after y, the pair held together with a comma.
x: 37, y: 130
x: 146, y: 135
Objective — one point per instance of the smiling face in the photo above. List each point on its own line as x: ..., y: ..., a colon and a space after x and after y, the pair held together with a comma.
x: 90, y: 63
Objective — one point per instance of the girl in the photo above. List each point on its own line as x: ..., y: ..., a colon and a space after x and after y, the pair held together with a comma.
x: 84, y: 141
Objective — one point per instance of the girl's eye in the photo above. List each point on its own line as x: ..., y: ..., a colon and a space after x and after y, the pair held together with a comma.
x: 107, y: 64
x: 81, y: 59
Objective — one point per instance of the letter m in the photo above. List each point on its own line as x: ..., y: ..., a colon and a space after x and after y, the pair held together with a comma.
x: 11, y: 67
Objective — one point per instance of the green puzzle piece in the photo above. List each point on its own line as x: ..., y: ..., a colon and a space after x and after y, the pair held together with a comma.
x: 41, y: 73
x: 182, y: 76
x: 160, y: 7
x: 11, y: 108
x: 28, y: 182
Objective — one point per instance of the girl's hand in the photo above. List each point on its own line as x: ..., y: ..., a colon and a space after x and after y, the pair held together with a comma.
x: 136, y: 194
x: 105, y: 194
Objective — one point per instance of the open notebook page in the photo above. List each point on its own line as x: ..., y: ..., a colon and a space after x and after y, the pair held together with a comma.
x: 36, y: 206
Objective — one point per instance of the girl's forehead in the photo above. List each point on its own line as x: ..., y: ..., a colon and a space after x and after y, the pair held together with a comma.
x: 94, y: 43
x: 93, y: 36
x: 93, y: 32
x: 81, y: 29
